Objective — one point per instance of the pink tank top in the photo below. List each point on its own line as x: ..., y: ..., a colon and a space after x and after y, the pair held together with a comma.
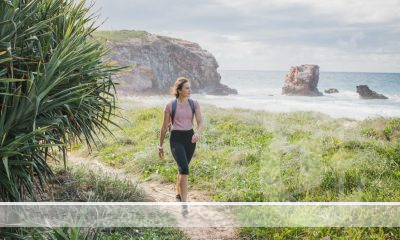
x: 183, y: 114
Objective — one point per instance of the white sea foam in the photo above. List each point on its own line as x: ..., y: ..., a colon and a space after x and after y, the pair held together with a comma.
x: 262, y: 91
x: 356, y: 109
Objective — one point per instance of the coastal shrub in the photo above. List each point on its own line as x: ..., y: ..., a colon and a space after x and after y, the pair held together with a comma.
x: 385, y: 129
x: 355, y: 145
x: 55, y: 89
x: 62, y: 233
x: 392, y: 129
x: 388, y: 131
x: 369, y: 132
x: 299, y: 136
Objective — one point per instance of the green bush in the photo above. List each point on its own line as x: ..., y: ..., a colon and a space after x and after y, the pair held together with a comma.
x: 55, y: 89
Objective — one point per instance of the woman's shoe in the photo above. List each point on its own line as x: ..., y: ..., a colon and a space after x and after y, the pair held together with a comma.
x: 178, y: 198
x: 184, y: 210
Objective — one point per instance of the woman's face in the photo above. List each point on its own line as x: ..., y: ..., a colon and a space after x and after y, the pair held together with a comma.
x: 185, y: 92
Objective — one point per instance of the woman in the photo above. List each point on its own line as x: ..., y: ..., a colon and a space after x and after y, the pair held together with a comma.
x: 179, y: 114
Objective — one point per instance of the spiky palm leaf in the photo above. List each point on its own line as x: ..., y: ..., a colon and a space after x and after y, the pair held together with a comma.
x: 55, y: 88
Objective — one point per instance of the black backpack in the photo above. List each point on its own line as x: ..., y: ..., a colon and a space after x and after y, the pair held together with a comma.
x: 174, y: 104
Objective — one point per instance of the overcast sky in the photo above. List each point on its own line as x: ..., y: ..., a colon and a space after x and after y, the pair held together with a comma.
x: 338, y: 35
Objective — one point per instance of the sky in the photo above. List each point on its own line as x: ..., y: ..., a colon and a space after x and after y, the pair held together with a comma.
x: 337, y: 35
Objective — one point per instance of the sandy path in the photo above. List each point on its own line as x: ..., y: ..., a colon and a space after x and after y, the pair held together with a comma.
x: 161, y: 192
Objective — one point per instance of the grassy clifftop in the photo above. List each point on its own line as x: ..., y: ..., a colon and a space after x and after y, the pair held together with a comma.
x: 119, y: 35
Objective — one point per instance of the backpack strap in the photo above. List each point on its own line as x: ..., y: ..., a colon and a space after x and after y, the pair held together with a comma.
x: 175, y: 103
x: 191, y: 103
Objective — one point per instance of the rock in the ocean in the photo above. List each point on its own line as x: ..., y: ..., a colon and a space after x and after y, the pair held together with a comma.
x: 366, y: 93
x: 331, y: 90
x: 220, y: 89
x: 157, y: 61
x: 302, y: 80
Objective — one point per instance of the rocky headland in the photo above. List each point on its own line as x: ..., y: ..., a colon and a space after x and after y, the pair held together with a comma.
x: 157, y: 61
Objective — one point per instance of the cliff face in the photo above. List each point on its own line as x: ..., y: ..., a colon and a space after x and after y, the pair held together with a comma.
x: 157, y: 61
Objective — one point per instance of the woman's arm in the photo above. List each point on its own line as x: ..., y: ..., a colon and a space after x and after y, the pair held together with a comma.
x: 163, y: 132
x: 199, y: 120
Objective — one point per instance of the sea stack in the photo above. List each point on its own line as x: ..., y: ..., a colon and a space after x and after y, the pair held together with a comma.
x: 366, y: 93
x: 302, y: 80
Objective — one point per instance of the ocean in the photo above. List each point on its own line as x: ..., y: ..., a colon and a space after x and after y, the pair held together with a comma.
x: 261, y: 90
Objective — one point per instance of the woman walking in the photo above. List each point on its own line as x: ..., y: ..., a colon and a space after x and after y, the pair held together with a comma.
x: 178, y: 115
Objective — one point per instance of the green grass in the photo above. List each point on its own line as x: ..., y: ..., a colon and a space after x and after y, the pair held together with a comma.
x: 83, y: 185
x: 258, y: 156
x: 319, y: 233
x: 120, y: 35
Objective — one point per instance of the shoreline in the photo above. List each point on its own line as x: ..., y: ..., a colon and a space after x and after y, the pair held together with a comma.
x: 273, y: 106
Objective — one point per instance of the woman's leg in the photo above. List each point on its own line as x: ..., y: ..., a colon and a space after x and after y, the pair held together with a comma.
x: 182, y: 150
x: 184, y: 187
x: 189, y: 151
x: 178, y: 185
x: 179, y: 153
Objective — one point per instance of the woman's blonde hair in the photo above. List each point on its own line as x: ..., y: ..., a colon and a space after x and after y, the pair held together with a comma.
x: 178, y: 85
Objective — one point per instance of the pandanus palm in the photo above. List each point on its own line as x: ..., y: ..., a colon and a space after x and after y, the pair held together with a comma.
x: 55, y: 88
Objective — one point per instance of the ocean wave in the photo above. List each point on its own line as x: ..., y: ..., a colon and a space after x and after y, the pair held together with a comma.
x: 345, y: 105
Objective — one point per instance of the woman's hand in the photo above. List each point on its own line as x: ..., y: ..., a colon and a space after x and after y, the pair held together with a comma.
x: 195, y: 138
x: 161, y: 152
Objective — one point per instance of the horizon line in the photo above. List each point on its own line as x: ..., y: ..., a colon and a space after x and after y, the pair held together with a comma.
x: 326, y: 71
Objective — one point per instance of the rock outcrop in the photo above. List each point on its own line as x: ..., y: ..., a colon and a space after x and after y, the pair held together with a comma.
x: 157, y: 61
x: 366, y: 93
x: 302, y: 80
x: 331, y: 90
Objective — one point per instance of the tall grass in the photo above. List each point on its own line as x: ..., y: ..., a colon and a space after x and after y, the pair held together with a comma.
x: 80, y: 184
x: 258, y: 156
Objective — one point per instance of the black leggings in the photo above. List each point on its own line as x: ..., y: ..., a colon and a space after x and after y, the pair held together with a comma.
x: 182, y: 148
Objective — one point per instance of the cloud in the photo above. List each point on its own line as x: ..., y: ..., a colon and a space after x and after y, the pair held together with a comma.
x: 348, y: 11
x: 352, y: 35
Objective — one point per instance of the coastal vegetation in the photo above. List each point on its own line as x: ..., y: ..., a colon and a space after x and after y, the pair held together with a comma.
x: 55, y: 89
x: 79, y: 184
x: 255, y: 156
x: 277, y: 147
x: 119, y: 35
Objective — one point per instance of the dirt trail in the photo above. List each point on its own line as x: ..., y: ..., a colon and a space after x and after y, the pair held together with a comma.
x: 161, y: 192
